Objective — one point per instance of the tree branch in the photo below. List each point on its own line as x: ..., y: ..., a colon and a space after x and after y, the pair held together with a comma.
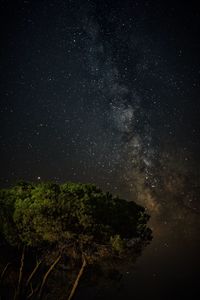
x: 77, y: 279
x: 4, y: 271
x: 33, y: 272
x: 18, y: 290
x: 47, y: 274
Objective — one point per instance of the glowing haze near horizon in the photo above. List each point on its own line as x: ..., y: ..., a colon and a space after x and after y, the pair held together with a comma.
x: 105, y: 92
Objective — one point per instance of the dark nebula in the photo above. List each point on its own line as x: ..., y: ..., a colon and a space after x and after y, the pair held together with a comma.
x: 108, y: 92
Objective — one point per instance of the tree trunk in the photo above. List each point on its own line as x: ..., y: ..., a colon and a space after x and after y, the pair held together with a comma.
x: 33, y: 272
x: 18, y: 290
x: 4, y: 271
x: 77, y: 279
x: 47, y: 274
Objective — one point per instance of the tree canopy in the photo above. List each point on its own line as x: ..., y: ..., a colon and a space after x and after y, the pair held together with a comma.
x: 33, y: 214
x: 77, y: 218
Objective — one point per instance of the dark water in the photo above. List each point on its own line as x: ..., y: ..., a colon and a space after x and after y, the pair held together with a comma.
x: 169, y: 268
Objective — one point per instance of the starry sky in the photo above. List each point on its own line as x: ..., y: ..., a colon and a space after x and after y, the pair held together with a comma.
x: 105, y: 92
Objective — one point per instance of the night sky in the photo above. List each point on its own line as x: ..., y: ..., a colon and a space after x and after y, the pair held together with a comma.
x: 108, y: 92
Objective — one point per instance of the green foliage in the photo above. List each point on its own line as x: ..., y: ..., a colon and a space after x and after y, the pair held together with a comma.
x: 7, y: 226
x: 48, y: 213
x: 71, y: 221
x: 117, y: 243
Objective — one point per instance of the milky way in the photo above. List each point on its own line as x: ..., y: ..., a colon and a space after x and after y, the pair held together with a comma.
x: 105, y: 92
x: 155, y: 177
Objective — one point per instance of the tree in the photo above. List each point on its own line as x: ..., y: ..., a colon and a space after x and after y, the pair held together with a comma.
x: 77, y: 220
